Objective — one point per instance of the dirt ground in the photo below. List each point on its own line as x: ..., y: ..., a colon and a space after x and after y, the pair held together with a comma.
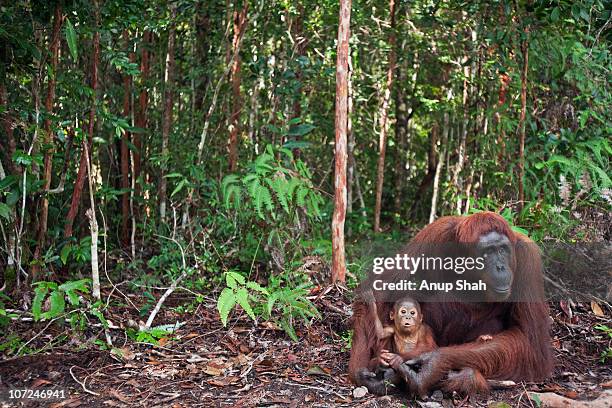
x: 205, y: 365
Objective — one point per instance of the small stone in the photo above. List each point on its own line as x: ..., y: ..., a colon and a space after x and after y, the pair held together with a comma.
x: 437, y: 396
x: 430, y: 404
x: 360, y: 392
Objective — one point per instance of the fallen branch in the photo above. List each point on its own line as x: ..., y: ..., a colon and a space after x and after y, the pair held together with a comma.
x: 171, y: 289
x: 82, y: 384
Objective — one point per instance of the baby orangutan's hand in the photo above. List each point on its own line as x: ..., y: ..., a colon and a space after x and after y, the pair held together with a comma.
x: 391, y: 359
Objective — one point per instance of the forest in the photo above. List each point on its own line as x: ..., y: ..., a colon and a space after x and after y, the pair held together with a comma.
x: 192, y: 190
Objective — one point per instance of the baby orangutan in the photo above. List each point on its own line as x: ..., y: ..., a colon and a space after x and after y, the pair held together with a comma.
x: 407, y: 338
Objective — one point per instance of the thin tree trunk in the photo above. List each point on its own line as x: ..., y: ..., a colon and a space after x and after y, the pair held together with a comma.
x: 384, y: 120
x: 167, y: 115
x: 143, y: 100
x: 202, y: 43
x: 93, y: 226
x: 300, y: 47
x: 521, y: 126
x: 439, y: 166
x: 339, y: 216
x: 48, y: 139
x: 401, y: 137
x: 125, y: 157
x: 80, y: 180
x: 351, y: 140
x: 239, y: 22
x: 8, y: 146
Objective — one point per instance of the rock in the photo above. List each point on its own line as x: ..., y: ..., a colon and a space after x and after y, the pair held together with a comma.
x: 430, y: 404
x: 360, y: 392
x: 437, y: 396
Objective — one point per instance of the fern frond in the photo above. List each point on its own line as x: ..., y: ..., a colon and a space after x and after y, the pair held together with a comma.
x: 225, y: 304
x: 302, y: 192
x: 279, y: 186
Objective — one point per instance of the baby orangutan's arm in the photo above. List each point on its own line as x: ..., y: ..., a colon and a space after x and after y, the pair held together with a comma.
x: 382, y: 332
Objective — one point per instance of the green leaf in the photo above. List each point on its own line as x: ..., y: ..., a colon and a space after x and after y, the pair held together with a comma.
x: 65, y: 253
x: 301, y: 130
x: 179, y: 187
x: 271, y: 300
x: 256, y: 287
x: 554, y: 16
x: 235, y: 276
x: 242, y: 295
x: 5, y: 211
x: 288, y: 328
x: 71, y: 39
x: 225, y: 303
x: 81, y: 284
x: 57, y: 305
x: 39, y: 295
x: 96, y: 312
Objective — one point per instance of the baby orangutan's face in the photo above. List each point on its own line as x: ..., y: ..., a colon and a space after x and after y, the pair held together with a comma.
x: 406, y: 316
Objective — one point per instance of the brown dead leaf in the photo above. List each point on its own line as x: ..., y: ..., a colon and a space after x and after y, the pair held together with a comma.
x: 596, y: 309
x: 571, y: 394
x: 241, y: 359
x: 223, y: 382
x: 270, y: 325
x: 124, y: 353
x: 216, y: 367
x: 565, y: 306
x: 163, y: 341
x: 316, y: 370
x: 607, y: 385
x: 119, y: 395
x: 266, y: 362
x: 191, y: 336
x: 244, y: 349
x: 40, y: 381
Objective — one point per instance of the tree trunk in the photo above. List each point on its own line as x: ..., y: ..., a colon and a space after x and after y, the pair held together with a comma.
x: 239, y: 24
x: 48, y: 140
x: 80, y: 180
x: 203, y: 35
x: 143, y: 100
x: 429, y: 177
x: 167, y: 115
x: 439, y: 165
x: 351, y: 141
x: 522, y: 125
x: 401, y: 137
x: 384, y: 120
x: 300, y: 47
x: 125, y: 157
x: 338, y: 258
x: 8, y: 146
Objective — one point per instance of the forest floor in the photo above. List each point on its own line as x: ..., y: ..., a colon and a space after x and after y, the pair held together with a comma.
x: 205, y: 365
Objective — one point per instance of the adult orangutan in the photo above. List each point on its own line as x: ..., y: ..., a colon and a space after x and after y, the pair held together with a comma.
x: 512, y: 320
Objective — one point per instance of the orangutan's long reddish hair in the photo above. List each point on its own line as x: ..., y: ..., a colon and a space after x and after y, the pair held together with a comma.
x: 520, y: 349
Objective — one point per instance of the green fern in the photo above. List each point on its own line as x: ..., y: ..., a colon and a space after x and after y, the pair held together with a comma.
x: 279, y: 185
x: 302, y: 192
x: 225, y: 304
